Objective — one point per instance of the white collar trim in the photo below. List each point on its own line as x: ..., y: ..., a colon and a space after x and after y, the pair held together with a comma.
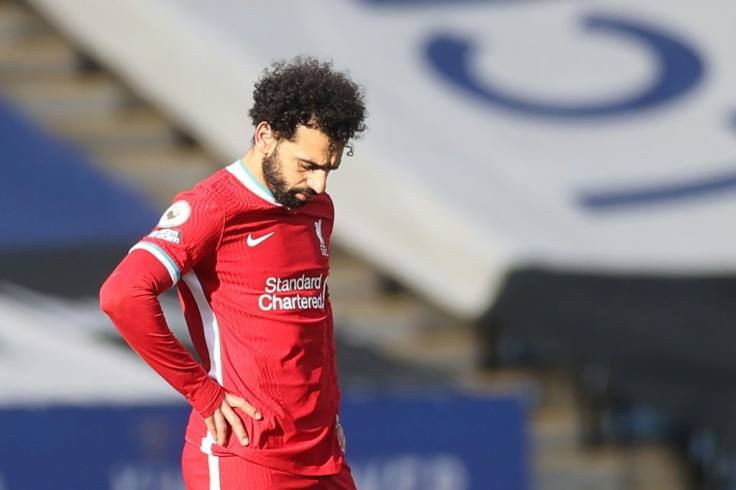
x: 238, y: 169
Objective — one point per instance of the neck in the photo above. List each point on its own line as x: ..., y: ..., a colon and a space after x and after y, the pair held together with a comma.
x: 253, y: 161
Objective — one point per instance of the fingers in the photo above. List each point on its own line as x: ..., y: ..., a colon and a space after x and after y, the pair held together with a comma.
x: 209, y: 422
x: 221, y: 428
x: 217, y: 427
x: 237, y: 402
x: 225, y: 417
x: 236, y: 424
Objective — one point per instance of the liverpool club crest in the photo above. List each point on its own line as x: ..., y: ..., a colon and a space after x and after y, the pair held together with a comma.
x: 318, y: 230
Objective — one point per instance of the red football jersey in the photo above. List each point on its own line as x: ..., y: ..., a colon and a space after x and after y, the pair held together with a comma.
x: 252, y: 279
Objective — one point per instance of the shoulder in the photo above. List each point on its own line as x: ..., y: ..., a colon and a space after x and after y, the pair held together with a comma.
x: 200, y: 206
x: 222, y: 193
x: 204, y: 195
x: 215, y: 185
x: 323, y: 204
x: 328, y: 200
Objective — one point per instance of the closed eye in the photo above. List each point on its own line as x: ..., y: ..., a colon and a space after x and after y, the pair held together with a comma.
x: 312, y: 166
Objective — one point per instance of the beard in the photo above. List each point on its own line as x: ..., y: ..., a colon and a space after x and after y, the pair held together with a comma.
x: 276, y: 183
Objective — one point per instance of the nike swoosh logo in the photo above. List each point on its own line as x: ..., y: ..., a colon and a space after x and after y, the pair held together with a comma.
x: 252, y: 242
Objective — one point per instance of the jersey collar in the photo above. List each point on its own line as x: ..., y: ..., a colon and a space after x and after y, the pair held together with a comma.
x: 241, y: 172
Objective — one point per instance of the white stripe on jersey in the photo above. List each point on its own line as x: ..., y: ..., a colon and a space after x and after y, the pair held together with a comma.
x: 162, y: 257
x: 214, y: 464
x: 209, y: 325
x: 212, y: 339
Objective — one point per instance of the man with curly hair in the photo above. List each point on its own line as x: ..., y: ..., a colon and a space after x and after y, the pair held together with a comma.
x: 248, y: 249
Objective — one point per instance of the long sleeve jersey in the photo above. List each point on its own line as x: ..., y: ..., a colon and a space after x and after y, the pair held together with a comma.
x: 252, y: 281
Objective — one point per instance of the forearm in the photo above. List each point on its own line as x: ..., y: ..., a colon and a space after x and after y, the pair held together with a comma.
x: 129, y: 298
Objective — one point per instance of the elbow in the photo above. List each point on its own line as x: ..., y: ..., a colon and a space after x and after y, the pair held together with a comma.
x: 130, y: 288
x: 111, y: 296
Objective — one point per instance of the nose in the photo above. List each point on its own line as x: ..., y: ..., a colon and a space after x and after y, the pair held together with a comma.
x: 318, y: 181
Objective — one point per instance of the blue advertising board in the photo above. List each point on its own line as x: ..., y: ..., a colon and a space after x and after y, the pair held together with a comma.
x: 427, y: 442
x: 437, y: 442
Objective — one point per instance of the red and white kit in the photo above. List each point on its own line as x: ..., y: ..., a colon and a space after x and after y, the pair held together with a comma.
x: 252, y: 279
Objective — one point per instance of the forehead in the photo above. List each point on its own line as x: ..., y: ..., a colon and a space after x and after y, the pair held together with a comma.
x: 314, y: 145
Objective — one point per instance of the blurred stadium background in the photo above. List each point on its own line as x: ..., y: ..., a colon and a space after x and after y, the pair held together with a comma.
x: 534, y: 272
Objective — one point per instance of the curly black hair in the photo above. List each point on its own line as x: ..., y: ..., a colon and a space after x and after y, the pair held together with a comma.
x: 308, y: 92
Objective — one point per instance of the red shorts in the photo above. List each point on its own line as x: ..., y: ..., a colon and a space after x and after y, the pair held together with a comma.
x: 204, y: 472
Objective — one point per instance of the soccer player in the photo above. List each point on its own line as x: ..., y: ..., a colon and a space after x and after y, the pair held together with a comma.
x: 248, y: 249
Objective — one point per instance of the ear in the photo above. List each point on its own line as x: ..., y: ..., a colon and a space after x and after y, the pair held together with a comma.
x: 264, y: 138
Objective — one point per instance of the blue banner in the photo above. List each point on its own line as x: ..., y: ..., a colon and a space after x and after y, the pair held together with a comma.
x: 442, y: 442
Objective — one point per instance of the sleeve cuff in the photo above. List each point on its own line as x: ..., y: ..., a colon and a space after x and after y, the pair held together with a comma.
x: 208, y: 399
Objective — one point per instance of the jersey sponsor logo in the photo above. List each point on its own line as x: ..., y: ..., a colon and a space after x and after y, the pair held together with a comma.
x: 271, y: 300
x: 318, y: 231
x: 176, y: 215
x: 173, y: 236
x: 252, y: 242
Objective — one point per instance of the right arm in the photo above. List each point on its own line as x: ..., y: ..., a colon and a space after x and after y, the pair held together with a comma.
x: 130, y: 298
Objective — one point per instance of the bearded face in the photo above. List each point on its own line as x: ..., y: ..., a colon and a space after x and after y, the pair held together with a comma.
x: 273, y: 174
